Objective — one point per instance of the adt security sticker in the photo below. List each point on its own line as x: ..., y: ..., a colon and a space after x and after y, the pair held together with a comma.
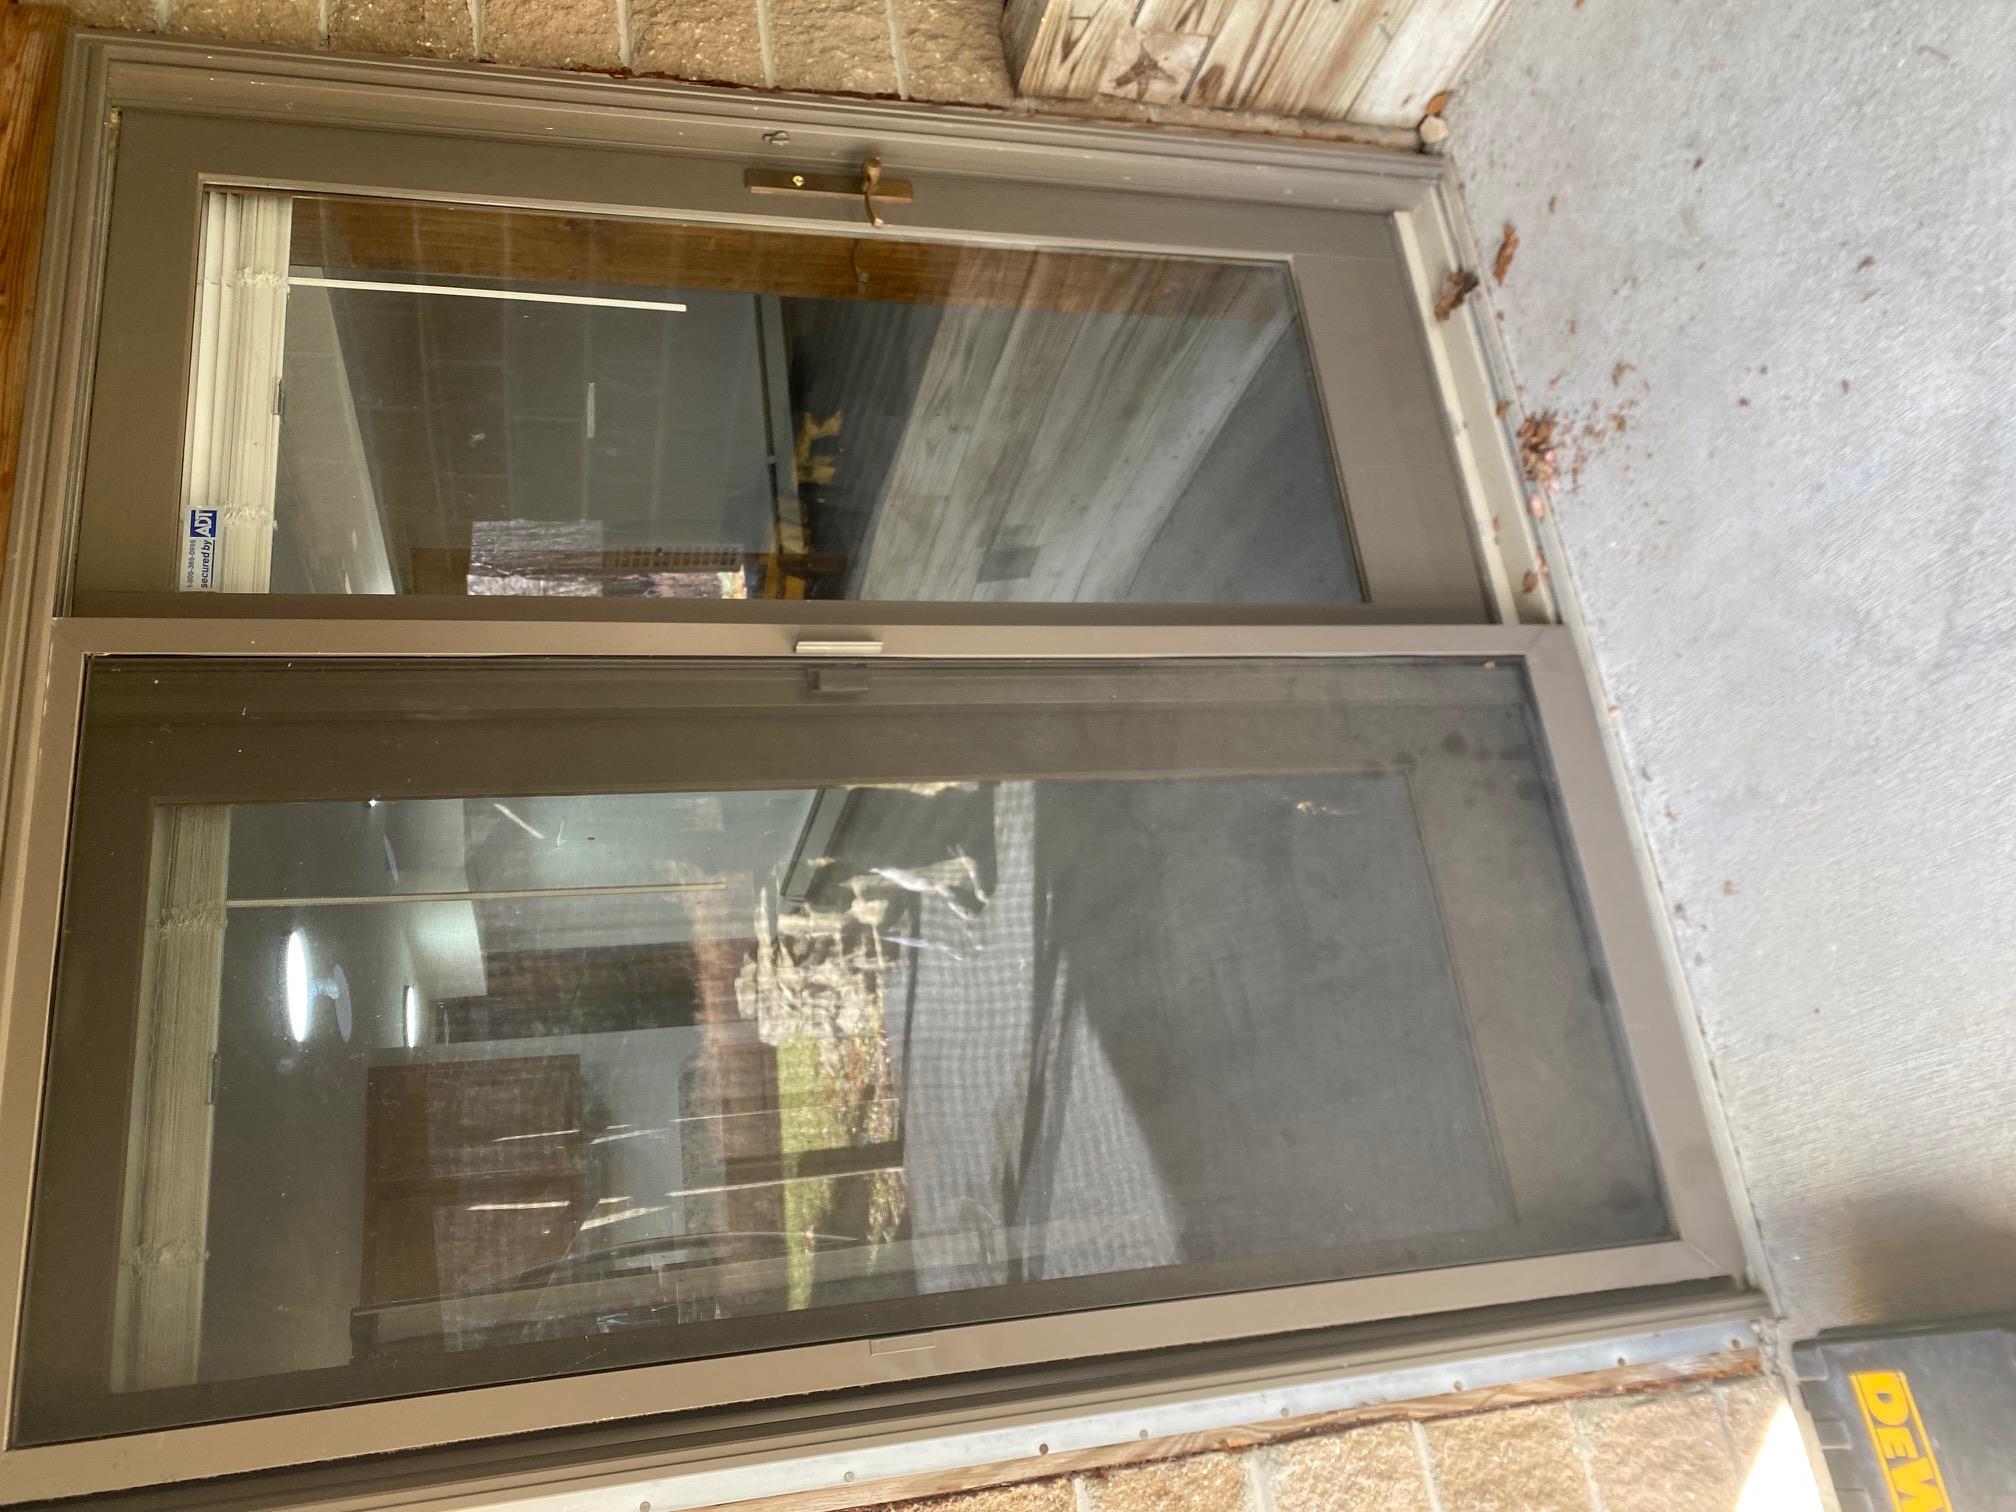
x: 199, y: 551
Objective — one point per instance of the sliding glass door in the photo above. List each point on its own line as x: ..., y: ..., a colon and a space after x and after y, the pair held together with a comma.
x: 628, y: 1013
x: 634, y: 791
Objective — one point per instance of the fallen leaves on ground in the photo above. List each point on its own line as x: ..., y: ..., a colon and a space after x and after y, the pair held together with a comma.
x: 1536, y: 448
x: 1456, y: 287
x: 1508, y: 248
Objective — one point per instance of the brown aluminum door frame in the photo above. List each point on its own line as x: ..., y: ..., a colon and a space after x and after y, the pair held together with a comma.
x: 1409, y: 518
x: 1702, y: 1251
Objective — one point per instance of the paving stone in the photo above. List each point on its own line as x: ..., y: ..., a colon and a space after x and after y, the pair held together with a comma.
x: 1373, y: 1469
x: 1659, y: 1454
x: 1029, y: 1496
x: 1520, y: 1460
x: 1205, y: 1483
x: 1749, y: 1407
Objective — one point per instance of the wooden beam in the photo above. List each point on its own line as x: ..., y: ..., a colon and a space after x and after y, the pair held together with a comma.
x: 1058, y: 49
x: 1368, y: 62
x: 31, y: 59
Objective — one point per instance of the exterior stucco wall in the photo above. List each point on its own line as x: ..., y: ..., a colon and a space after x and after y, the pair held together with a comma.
x: 1764, y: 281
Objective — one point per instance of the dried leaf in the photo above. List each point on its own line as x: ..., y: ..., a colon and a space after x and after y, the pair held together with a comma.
x: 1508, y: 248
x: 1438, y: 104
x: 1536, y: 448
x: 1456, y: 287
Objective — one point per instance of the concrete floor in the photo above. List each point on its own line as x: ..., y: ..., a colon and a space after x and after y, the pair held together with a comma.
x: 1765, y: 276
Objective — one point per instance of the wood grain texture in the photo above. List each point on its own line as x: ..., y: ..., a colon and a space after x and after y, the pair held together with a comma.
x: 1066, y: 443
x: 1297, y: 57
x: 1206, y: 16
x: 389, y: 236
x: 31, y: 57
x: 1060, y: 51
x: 1669, y: 1376
x: 1310, y: 59
x: 1428, y: 53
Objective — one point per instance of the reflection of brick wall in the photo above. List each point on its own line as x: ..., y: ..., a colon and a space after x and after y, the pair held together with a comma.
x: 729, y: 1102
x: 474, y: 1173
x: 592, y: 990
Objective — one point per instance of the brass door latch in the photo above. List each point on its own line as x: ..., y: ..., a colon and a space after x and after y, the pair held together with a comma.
x: 868, y: 185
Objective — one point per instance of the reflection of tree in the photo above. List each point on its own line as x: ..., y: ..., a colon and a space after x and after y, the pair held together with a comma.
x: 813, y: 987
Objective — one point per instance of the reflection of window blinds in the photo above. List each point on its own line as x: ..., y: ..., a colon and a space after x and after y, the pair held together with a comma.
x: 234, y: 422
x: 165, y: 1196
x: 226, y: 547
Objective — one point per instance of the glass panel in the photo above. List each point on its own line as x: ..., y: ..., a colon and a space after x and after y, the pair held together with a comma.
x: 1038, y: 989
x: 482, y: 401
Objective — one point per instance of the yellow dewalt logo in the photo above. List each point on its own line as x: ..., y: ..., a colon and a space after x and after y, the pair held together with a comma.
x: 1898, y: 1434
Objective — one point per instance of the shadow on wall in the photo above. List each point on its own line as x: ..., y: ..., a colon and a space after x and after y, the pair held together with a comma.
x: 1911, y: 1258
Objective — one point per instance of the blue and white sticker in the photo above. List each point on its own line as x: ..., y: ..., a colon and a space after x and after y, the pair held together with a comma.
x: 199, y: 551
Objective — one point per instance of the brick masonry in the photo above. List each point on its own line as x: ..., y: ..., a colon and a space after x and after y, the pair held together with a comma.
x: 942, y: 51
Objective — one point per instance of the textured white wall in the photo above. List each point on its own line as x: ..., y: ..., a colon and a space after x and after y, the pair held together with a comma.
x: 1793, y: 222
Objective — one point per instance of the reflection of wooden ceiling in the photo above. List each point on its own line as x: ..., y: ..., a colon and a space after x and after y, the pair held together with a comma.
x: 461, y: 241
x: 1373, y: 62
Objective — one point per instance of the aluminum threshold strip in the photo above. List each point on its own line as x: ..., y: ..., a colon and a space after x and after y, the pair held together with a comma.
x: 859, y: 1468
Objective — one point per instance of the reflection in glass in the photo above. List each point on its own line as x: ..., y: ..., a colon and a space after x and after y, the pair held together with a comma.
x: 644, y: 1060
x: 496, y: 402
x: 503, y: 1081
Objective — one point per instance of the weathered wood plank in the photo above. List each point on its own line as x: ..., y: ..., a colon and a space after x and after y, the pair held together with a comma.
x: 1376, y: 62
x: 1058, y: 48
x: 1154, y: 67
x: 1429, y: 51
x: 1293, y: 57
x: 31, y: 57
x: 1205, y: 16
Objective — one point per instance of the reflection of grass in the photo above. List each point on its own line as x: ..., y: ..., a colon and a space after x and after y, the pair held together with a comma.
x: 834, y: 1095
x: 807, y: 1122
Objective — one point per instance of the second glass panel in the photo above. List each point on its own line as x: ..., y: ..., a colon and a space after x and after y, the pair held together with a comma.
x: 995, y: 992
x: 481, y: 401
